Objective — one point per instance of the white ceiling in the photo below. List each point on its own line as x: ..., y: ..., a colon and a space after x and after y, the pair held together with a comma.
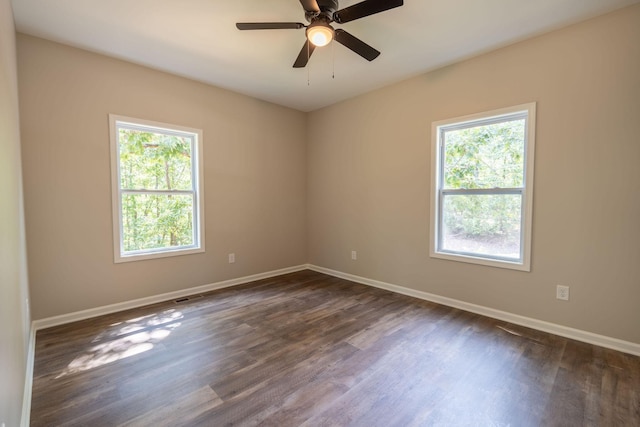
x: 198, y: 39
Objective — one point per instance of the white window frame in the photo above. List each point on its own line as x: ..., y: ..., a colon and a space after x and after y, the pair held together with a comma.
x: 527, y: 111
x: 197, y: 190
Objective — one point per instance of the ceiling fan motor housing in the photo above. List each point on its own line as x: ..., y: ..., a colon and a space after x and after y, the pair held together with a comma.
x: 327, y: 9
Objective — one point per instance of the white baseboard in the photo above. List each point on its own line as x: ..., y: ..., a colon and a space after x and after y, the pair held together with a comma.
x: 114, y: 308
x: 564, y: 331
x: 25, y: 419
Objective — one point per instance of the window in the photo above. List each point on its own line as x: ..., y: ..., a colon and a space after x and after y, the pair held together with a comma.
x: 156, y: 181
x: 481, y: 204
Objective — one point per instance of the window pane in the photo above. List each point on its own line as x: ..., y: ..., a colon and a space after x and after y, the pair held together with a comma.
x: 152, y: 221
x: 154, y: 161
x: 486, y: 156
x: 487, y: 225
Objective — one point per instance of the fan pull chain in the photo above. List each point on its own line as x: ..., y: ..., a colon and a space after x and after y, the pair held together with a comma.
x: 333, y: 64
x: 308, y: 66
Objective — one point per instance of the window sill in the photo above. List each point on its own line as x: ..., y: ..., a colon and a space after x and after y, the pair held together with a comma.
x: 511, y: 265
x: 163, y: 254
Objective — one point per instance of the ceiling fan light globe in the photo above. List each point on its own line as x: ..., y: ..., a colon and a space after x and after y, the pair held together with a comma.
x: 320, y: 35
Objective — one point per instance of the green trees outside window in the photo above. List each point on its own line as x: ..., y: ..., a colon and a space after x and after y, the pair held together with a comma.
x: 154, y: 161
x: 484, y: 157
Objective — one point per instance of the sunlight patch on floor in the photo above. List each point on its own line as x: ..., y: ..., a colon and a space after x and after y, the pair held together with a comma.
x: 129, y: 338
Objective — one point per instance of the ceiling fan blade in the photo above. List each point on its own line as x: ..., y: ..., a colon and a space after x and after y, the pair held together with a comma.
x: 310, y: 5
x: 356, y: 45
x: 364, y: 8
x: 304, y: 55
x: 269, y: 25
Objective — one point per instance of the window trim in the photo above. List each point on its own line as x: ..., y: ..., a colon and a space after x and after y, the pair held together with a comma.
x: 197, y: 177
x: 528, y: 111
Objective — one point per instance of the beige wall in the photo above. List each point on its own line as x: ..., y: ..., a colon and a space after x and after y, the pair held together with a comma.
x: 369, y: 179
x: 14, y: 304
x: 255, y: 178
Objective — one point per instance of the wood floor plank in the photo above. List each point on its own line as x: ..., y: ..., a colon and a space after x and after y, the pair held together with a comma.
x: 190, y: 406
x: 310, y: 349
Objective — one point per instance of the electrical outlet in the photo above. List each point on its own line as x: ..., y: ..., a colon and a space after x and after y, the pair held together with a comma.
x: 354, y: 255
x: 232, y: 258
x: 562, y: 292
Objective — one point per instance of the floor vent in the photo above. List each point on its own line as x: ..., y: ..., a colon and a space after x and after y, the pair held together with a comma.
x: 185, y: 299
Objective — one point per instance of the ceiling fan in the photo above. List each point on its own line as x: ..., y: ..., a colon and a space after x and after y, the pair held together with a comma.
x: 320, y: 14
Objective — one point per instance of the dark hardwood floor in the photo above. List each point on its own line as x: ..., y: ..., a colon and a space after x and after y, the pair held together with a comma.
x: 310, y: 349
